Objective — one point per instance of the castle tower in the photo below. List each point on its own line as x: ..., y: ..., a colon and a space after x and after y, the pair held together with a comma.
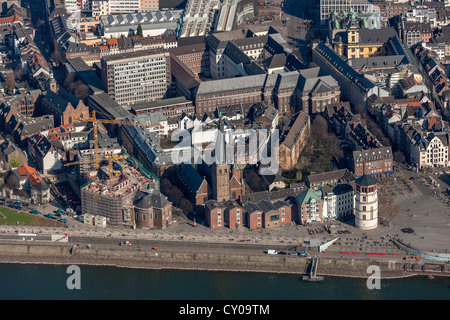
x: 366, y: 203
x: 220, y: 169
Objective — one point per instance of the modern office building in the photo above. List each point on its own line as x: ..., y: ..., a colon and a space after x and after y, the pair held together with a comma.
x: 327, y: 7
x: 134, y: 77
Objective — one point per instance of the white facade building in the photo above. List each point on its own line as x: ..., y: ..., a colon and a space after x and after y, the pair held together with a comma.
x: 339, y: 202
x: 366, y: 203
x: 135, y: 77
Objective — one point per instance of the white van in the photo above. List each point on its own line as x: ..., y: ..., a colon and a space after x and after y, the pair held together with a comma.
x: 271, y: 252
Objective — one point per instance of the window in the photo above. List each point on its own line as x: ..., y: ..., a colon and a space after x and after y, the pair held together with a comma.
x: 275, y: 217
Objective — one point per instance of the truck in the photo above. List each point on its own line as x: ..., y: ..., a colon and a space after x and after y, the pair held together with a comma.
x: 304, y: 253
x: 416, y: 258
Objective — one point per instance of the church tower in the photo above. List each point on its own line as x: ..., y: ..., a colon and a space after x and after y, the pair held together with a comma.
x: 353, y: 39
x: 220, y: 169
x: 53, y: 86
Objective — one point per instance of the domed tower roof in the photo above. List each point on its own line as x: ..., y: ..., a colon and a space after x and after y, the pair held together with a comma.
x: 147, y: 200
x: 366, y: 181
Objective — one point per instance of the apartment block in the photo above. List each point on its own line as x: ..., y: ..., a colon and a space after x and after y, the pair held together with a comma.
x: 309, y: 207
x: 136, y: 77
x: 265, y: 214
x: 149, y: 4
x: 227, y: 214
x: 375, y: 161
x: 416, y: 32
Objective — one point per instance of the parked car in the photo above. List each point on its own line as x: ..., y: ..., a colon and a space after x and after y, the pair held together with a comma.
x: 407, y: 230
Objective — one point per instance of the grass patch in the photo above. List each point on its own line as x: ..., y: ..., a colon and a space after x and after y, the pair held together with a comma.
x: 12, y: 217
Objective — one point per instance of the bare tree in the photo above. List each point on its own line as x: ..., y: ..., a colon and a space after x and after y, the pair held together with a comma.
x: 186, y: 206
x: 18, y: 72
x: 70, y: 78
x: 81, y: 91
x: 10, y: 81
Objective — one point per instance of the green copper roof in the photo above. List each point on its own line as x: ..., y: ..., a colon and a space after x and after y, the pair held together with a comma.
x: 306, y: 196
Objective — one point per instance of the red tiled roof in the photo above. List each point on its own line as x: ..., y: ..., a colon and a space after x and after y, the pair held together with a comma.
x: 13, y: 18
x: 30, y: 173
x: 431, y: 122
x: 26, y: 170
x: 35, y: 179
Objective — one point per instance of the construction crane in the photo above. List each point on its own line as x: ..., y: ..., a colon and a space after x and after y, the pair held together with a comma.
x: 110, y: 163
x: 95, y: 122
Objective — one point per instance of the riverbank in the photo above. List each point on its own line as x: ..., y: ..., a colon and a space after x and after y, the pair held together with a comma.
x: 232, y: 262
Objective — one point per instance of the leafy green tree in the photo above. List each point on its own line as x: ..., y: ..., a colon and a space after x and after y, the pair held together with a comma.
x: 16, y: 162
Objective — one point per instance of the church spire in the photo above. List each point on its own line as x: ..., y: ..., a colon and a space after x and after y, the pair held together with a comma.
x: 220, y: 144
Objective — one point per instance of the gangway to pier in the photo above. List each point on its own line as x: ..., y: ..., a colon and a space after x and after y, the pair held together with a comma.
x: 312, y: 275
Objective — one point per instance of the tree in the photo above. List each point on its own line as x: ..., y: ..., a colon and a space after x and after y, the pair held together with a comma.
x: 173, y: 193
x: 18, y: 72
x: 81, y: 91
x: 11, y: 182
x: 16, y: 162
x: 255, y: 182
x: 319, y: 128
x: 70, y: 78
x: 10, y: 82
x: 186, y: 206
x: 139, y: 31
x: 399, y: 157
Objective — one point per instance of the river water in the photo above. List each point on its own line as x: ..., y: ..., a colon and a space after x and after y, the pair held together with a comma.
x: 48, y: 282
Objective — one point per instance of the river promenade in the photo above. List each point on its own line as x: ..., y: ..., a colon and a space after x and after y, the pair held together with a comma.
x: 188, y: 245
x: 184, y: 246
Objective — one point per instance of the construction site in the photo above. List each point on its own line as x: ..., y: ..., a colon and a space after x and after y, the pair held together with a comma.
x: 110, y: 177
x: 111, y: 191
